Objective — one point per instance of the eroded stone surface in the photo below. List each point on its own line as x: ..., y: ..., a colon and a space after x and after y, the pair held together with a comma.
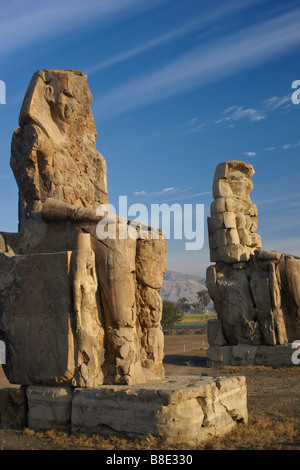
x: 255, y: 291
x: 76, y: 309
x: 178, y: 409
x: 13, y: 408
x: 183, y: 409
x: 49, y: 407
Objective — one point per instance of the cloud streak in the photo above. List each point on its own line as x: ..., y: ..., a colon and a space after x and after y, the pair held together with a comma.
x: 199, y: 24
x: 210, y: 62
x: 20, y: 26
x: 235, y: 113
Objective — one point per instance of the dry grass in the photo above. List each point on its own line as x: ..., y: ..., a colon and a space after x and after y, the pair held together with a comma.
x: 261, y: 433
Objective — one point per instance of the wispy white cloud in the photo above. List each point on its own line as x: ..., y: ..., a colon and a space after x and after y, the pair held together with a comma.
x: 173, y: 194
x: 22, y: 23
x: 290, y: 146
x: 234, y: 113
x: 155, y: 193
x: 276, y: 102
x: 139, y: 193
x: 250, y: 154
x: 166, y: 190
x: 210, y: 62
x: 209, y: 18
x: 272, y: 148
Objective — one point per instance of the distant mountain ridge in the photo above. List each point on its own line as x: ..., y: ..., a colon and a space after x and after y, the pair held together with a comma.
x: 177, y: 285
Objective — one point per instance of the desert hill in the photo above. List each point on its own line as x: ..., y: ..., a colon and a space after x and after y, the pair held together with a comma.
x: 177, y: 285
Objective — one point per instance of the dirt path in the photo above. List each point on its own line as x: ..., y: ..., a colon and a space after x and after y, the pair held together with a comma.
x: 273, y: 405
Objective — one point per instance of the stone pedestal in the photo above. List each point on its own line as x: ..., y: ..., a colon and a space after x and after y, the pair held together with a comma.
x: 13, y: 409
x: 183, y: 409
x: 49, y: 407
x: 247, y: 354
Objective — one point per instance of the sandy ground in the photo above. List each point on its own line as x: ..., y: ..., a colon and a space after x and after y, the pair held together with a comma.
x: 273, y: 405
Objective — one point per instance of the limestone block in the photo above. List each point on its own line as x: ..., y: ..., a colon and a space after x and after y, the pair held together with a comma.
x: 215, y: 335
x: 237, y: 205
x: 241, y: 265
x: 49, y: 407
x: 243, y: 354
x: 178, y: 409
x: 221, y: 188
x: 218, y: 205
x: 233, y: 253
x: 210, y: 226
x: 151, y: 262
x: 221, y: 237
x: 212, y: 241
x: 229, y: 219
x: 38, y: 337
x: 274, y: 355
x: 253, y: 225
x: 240, y: 220
x: 253, y: 210
x: 268, y: 255
x: 13, y: 408
x: 222, y: 354
x: 244, y: 236
x: 255, y: 240
x: 217, y: 221
x: 233, y: 237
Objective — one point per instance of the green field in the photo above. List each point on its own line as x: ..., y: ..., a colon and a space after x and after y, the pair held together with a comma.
x: 196, y: 319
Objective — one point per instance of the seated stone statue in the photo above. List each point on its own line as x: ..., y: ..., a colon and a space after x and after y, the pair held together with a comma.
x: 75, y: 309
x: 256, y: 292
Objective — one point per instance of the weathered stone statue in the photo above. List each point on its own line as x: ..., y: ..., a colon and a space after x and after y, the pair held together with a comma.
x: 74, y: 309
x: 255, y: 292
x: 80, y: 312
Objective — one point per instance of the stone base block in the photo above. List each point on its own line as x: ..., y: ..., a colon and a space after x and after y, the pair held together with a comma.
x: 49, y: 407
x: 183, y: 409
x: 247, y: 354
x: 177, y: 409
x: 13, y: 408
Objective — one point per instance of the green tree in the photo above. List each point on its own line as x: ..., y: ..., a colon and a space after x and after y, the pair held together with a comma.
x: 196, y: 306
x: 203, y: 298
x: 183, y: 304
x: 170, y: 313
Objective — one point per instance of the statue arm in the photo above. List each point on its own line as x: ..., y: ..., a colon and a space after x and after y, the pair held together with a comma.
x: 54, y: 209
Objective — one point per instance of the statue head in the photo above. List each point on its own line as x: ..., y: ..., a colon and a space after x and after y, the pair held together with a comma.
x: 58, y: 101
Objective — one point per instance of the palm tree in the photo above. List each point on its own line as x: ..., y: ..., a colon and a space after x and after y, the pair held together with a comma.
x: 203, y: 298
x: 196, y: 306
x: 183, y: 304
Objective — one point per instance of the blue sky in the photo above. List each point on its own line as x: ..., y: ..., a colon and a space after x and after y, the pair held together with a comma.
x: 179, y: 86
